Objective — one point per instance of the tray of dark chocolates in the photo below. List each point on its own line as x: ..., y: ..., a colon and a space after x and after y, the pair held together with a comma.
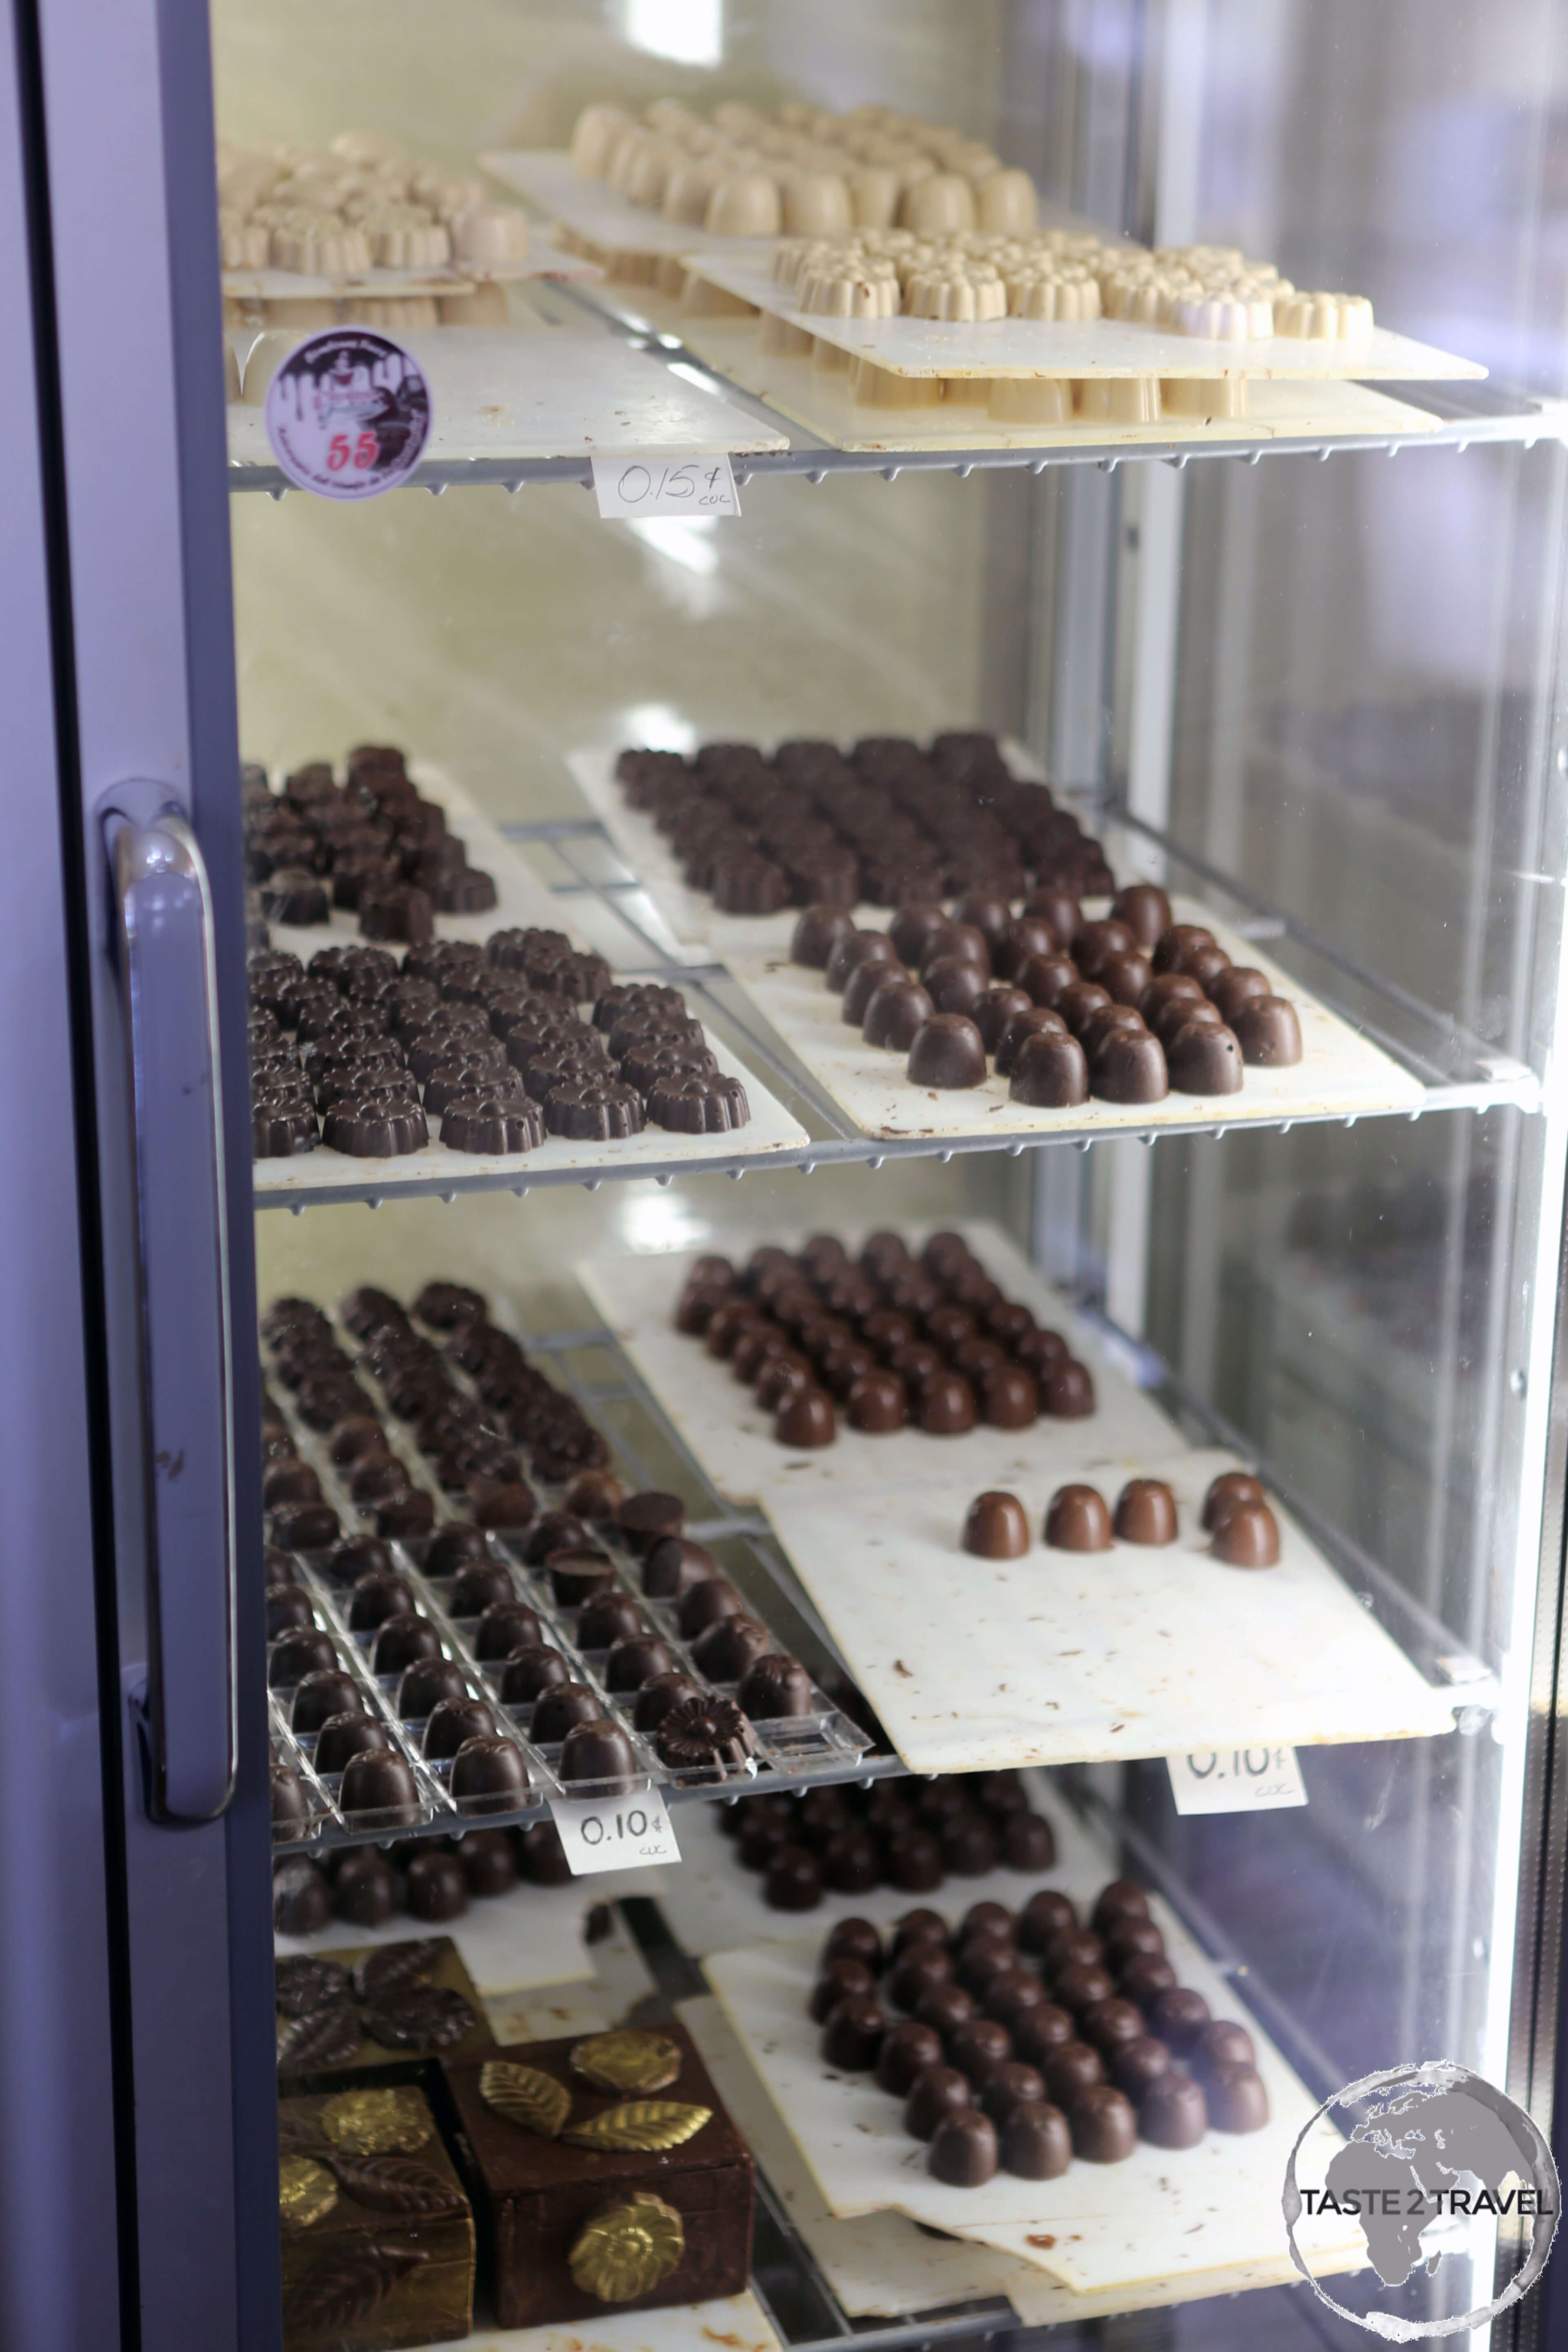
x: 515, y: 1631
x: 468, y: 1058
x: 1154, y: 1604
x: 821, y: 1360
x: 1067, y: 2080
x: 731, y: 842
x: 373, y: 858
x: 760, y: 1869
x: 1059, y: 1014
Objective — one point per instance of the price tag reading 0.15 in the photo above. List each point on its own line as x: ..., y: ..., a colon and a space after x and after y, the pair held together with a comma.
x: 1235, y: 1780
x: 614, y: 1834
x: 628, y: 489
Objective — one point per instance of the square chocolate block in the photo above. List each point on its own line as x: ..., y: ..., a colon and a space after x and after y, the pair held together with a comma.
x: 376, y: 2013
x: 378, y: 2238
x: 591, y: 2198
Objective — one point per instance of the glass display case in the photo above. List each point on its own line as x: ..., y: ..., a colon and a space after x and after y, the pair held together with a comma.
x: 918, y: 864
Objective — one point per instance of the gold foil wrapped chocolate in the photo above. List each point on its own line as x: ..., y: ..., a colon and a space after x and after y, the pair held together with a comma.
x: 642, y: 2127
x: 627, y: 2249
x: 628, y: 2060
x: 377, y: 2123
x: 306, y: 2192
x: 534, y: 2101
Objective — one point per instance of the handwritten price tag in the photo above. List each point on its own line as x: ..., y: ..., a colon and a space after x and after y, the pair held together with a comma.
x: 627, y: 489
x: 616, y: 1832
x: 1235, y: 1780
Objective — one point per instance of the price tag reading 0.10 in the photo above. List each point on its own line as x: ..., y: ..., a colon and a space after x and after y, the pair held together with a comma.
x: 1235, y: 1780
x: 614, y: 1834
x: 629, y: 488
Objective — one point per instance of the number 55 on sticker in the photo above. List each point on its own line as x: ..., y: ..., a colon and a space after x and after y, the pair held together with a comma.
x: 627, y: 489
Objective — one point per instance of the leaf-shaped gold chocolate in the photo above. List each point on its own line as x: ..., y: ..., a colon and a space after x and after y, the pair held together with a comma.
x: 628, y: 2060
x: 643, y: 2126
x: 306, y: 2192
x: 377, y: 2123
x: 624, y: 2251
x: 534, y: 2101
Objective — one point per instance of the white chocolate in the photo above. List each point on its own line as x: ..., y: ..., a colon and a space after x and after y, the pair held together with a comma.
x: 1030, y: 400
x: 485, y: 306
x: 490, y: 233
x: 322, y: 248
x: 744, y: 203
x: 816, y: 204
x: 939, y: 204
x: 781, y: 339
x: 1340, y: 318
x: 598, y: 128
x: 1006, y: 202
x: 688, y: 191
x: 394, y: 310
x: 970, y: 297
x: 871, y: 386
x: 1203, y: 395
x: 836, y: 294
x: 1117, y: 399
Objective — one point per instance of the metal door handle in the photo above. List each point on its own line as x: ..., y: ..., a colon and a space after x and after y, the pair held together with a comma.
x: 162, y: 929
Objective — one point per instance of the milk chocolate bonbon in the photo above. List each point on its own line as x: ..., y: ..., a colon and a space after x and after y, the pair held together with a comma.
x: 997, y: 1528
x: 1146, y: 1512
x: 1078, y: 1520
x: 1247, y: 1537
x: 1223, y: 1493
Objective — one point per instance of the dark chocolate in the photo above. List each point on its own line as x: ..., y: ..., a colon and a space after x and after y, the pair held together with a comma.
x: 1049, y: 1071
x: 1238, y: 2100
x: 1205, y: 1061
x: 947, y: 1052
x: 379, y: 1782
x: 934, y: 2095
x: 597, y: 1751
x: 1104, y: 2124
x: 963, y: 2151
x: 1146, y: 1512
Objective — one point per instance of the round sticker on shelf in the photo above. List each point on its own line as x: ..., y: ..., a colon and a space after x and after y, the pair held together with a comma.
x: 348, y: 413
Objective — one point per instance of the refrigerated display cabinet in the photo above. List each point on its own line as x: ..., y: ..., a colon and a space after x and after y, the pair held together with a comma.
x: 1285, y: 640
